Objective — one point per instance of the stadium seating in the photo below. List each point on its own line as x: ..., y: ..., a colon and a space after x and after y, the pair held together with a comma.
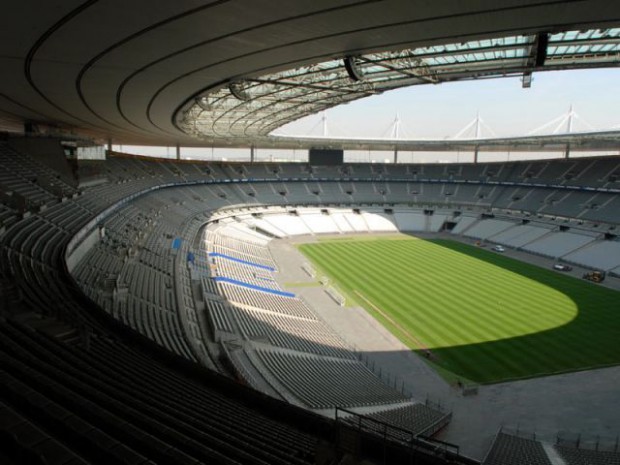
x: 516, y: 448
x: 83, y: 402
x: 263, y: 318
x: 485, y: 229
x: 603, y: 208
x: 298, y: 334
x: 326, y: 382
x: 417, y: 418
x: 463, y: 224
x: 379, y: 222
x: 603, y: 255
x: 110, y: 405
x: 341, y: 222
x: 357, y: 222
x: 319, y: 223
x: 130, y: 274
x: 558, y: 244
x: 508, y: 449
x: 410, y: 221
x: 580, y: 456
x: 290, y: 225
x: 520, y: 235
x: 258, y: 299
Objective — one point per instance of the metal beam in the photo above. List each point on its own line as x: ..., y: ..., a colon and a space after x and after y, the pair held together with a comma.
x: 328, y: 87
x: 252, y: 107
x: 541, y: 43
x: 410, y: 71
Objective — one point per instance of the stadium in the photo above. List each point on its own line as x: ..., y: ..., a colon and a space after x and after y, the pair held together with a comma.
x: 316, y: 310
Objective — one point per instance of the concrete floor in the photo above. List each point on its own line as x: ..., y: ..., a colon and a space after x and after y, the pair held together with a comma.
x: 584, y: 402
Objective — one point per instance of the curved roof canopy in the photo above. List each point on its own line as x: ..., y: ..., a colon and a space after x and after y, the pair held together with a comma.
x: 164, y: 72
x: 253, y: 107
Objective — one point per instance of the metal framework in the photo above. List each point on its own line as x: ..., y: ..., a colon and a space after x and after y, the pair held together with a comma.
x: 252, y: 107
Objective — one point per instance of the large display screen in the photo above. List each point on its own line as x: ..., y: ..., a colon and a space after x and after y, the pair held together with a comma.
x: 325, y: 157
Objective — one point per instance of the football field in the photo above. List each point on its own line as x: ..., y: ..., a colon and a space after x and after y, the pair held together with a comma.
x: 480, y: 316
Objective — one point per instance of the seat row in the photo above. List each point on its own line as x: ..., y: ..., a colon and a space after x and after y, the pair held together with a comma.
x: 107, y: 405
x: 322, y: 382
x: 266, y: 301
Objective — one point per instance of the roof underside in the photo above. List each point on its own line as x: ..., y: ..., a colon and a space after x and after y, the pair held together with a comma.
x: 253, y: 107
x: 162, y: 72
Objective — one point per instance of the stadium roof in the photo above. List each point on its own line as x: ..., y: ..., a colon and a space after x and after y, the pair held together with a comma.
x: 165, y: 72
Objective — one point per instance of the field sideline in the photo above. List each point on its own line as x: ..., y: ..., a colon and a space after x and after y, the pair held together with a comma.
x: 484, y: 317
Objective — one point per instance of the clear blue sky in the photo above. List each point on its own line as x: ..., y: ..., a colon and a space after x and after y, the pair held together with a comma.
x: 437, y: 111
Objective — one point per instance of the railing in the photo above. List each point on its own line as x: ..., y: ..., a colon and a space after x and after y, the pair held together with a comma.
x: 388, y: 442
x: 588, y: 441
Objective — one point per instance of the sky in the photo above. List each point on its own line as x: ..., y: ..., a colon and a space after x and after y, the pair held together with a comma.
x: 439, y: 111
x: 444, y: 110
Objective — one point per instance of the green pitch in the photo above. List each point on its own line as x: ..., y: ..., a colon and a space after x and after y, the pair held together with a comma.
x: 482, y: 316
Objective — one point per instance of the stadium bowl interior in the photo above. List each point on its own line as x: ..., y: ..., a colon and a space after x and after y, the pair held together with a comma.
x: 182, y: 311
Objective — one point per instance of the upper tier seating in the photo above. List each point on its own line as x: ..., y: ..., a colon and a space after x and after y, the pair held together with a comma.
x: 603, y: 207
x: 108, y: 404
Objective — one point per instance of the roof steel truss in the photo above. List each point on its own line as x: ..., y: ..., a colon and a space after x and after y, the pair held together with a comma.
x: 252, y: 107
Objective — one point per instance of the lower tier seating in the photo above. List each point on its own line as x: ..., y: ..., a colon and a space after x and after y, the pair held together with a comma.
x: 514, y: 450
x: 324, y: 382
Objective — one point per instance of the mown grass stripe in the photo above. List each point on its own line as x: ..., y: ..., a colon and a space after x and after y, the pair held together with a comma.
x: 486, y: 317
